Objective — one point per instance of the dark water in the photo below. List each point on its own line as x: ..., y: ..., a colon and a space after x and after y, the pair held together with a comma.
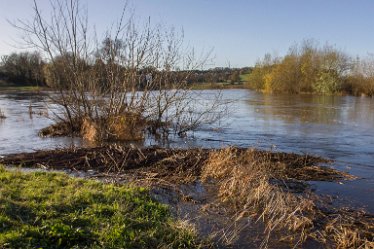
x: 337, y: 127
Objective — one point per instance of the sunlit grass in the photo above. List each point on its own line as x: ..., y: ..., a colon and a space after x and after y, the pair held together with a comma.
x: 217, y: 85
x: 13, y: 87
x: 53, y: 210
x: 244, y: 77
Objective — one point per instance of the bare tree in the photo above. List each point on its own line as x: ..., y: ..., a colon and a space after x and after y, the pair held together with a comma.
x: 132, y: 80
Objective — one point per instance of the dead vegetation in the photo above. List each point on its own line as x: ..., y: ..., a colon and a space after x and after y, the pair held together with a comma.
x: 134, y: 77
x: 252, y: 185
x: 350, y: 229
x: 125, y: 127
x: 61, y: 129
x: 266, y: 186
x: 2, y: 114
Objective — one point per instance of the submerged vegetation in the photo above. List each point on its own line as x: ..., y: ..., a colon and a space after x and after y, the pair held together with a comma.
x: 244, y: 184
x: 134, y: 80
x: 53, y: 210
x: 2, y: 114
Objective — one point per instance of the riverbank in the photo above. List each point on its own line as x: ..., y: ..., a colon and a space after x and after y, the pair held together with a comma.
x: 21, y: 88
x: 224, y: 192
x: 196, y: 86
x: 53, y: 210
x: 217, y: 85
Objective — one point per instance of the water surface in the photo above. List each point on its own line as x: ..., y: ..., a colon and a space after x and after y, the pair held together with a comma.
x: 336, y: 127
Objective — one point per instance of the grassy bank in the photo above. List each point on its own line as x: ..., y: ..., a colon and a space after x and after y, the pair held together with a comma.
x: 53, y: 210
x: 11, y: 87
x: 218, y: 85
x: 239, y: 184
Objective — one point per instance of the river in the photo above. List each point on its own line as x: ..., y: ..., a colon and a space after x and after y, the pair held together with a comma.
x: 337, y: 127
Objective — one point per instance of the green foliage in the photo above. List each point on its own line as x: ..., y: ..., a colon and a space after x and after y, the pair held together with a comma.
x: 260, y: 73
x: 256, y: 79
x: 286, y: 71
x: 326, y: 83
x: 306, y: 68
x: 52, y: 210
x: 244, y: 77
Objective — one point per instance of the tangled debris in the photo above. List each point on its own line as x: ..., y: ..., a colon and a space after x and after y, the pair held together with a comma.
x: 237, y: 183
x: 184, y: 163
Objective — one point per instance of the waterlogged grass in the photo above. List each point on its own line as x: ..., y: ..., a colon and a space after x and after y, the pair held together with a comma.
x: 53, y: 210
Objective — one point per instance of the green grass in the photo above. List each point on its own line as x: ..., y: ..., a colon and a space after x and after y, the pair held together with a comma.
x: 53, y: 210
x: 218, y: 85
x: 244, y: 77
x: 21, y: 88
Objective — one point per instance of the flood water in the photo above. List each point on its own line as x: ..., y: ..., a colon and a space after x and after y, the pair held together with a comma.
x: 337, y: 127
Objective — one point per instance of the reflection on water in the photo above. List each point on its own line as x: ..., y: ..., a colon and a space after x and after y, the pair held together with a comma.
x: 306, y: 109
x: 18, y: 132
x: 337, y: 127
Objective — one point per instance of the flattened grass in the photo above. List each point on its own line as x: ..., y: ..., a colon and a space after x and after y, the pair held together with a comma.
x: 252, y: 185
x: 53, y: 210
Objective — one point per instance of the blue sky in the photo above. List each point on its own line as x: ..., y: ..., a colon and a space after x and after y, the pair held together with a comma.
x: 239, y: 31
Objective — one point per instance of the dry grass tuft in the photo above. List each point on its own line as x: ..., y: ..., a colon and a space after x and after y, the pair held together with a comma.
x: 89, y: 130
x: 350, y: 230
x: 245, y: 183
x: 253, y: 183
x: 125, y: 127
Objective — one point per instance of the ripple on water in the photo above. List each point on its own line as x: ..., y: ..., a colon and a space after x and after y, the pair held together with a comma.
x: 337, y: 127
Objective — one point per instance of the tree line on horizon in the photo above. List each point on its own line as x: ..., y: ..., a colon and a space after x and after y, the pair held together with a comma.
x: 24, y: 69
x: 30, y: 69
x: 310, y: 68
x: 306, y: 68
